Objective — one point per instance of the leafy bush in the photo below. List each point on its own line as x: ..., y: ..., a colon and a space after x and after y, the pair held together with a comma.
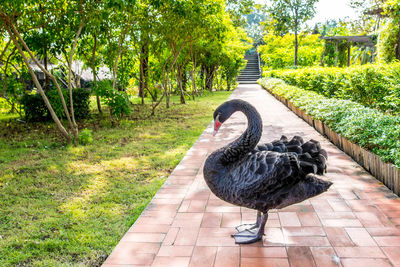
x: 85, y: 137
x: 375, y: 86
x: 278, y: 51
x: 117, y: 101
x: 367, y: 127
x: 36, y: 110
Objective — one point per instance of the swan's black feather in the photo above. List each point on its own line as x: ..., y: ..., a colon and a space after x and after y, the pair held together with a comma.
x: 264, y: 176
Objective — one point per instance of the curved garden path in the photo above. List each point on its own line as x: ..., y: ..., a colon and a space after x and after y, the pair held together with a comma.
x: 355, y: 223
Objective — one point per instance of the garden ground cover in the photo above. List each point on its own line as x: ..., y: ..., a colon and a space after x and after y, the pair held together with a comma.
x: 374, y: 86
x: 66, y: 205
x: 375, y: 131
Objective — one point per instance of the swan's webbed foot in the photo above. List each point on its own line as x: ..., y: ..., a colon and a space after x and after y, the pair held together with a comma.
x: 250, y: 226
x: 250, y: 233
x: 248, y: 236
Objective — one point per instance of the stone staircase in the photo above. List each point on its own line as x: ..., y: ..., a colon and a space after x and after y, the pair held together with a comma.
x: 251, y: 73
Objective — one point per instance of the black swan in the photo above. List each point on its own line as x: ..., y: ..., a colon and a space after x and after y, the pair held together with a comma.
x: 263, y: 177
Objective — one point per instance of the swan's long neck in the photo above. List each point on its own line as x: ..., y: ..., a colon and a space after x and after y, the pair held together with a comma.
x: 248, y: 140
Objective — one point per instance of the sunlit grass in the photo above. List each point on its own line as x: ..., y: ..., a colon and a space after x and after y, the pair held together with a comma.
x: 66, y: 205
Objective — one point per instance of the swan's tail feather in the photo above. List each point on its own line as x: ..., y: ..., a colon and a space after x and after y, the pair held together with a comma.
x: 312, y: 153
x: 311, y: 186
x: 312, y: 158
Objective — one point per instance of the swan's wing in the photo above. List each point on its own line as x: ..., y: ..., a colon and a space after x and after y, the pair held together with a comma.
x: 283, y: 145
x: 264, y: 171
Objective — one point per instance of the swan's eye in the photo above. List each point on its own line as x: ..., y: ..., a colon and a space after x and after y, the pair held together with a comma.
x: 217, y: 118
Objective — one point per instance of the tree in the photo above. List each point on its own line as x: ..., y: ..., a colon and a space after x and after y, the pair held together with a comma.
x: 290, y: 15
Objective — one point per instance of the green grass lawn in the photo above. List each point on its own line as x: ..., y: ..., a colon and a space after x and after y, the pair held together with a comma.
x: 62, y: 205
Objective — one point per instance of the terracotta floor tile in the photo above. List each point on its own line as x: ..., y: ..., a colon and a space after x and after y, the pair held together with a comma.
x: 203, y: 257
x: 171, y: 236
x: 357, y: 262
x: 300, y: 257
x: 369, y: 219
x: 383, y: 231
x: 299, y: 208
x: 311, y: 241
x: 128, y: 254
x: 341, y: 223
x: 186, y: 236
x: 212, y: 219
x: 264, y: 262
x: 143, y: 237
x: 289, y: 219
x: 184, y: 206
x: 175, y: 251
x: 338, y: 237
x: 231, y: 219
x: 325, y: 257
x: 338, y: 205
x: 197, y: 205
x: 303, y: 231
x: 360, y: 237
x: 216, y: 237
x: 359, y: 252
x: 388, y: 241
x: 273, y: 237
x: 393, y: 254
x: 337, y: 215
x: 171, y: 262
x: 321, y: 205
x: 263, y: 252
x: 188, y: 219
x: 227, y: 257
x: 163, y: 207
x: 150, y: 228
x: 308, y: 219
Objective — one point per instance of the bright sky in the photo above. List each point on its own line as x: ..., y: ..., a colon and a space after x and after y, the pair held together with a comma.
x: 329, y: 9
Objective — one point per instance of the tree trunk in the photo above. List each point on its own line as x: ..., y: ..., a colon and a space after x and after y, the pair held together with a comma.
x: 95, y: 74
x: 144, y: 62
x: 120, y: 41
x: 209, y: 78
x: 38, y: 86
x: 296, y: 45
x: 398, y: 43
x: 180, y: 83
x: 71, y: 101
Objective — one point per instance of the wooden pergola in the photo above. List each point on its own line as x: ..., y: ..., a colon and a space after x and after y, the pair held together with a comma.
x: 359, y: 40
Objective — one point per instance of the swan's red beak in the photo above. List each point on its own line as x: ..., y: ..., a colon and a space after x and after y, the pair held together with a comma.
x: 217, y: 124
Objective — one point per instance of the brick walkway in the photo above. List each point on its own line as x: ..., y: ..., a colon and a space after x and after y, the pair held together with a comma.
x: 355, y: 223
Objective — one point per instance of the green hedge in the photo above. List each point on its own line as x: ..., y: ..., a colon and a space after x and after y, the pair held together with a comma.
x: 36, y: 110
x: 367, y: 127
x: 375, y: 86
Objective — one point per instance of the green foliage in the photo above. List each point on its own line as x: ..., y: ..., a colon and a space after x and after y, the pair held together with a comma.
x: 289, y: 15
x: 85, y: 137
x: 278, y: 51
x: 367, y: 127
x: 36, y: 110
x: 117, y: 101
x: 375, y: 86
x: 329, y: 53
x: 387, y: 41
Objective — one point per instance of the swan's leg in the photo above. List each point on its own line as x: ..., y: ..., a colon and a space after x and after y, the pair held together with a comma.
x: 250, y: 236
x: 250, y: 226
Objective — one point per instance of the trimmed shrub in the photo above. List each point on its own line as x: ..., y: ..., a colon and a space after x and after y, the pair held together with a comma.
x: 367, y: 127
x: 36, y: 110
x: 375, y: 86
